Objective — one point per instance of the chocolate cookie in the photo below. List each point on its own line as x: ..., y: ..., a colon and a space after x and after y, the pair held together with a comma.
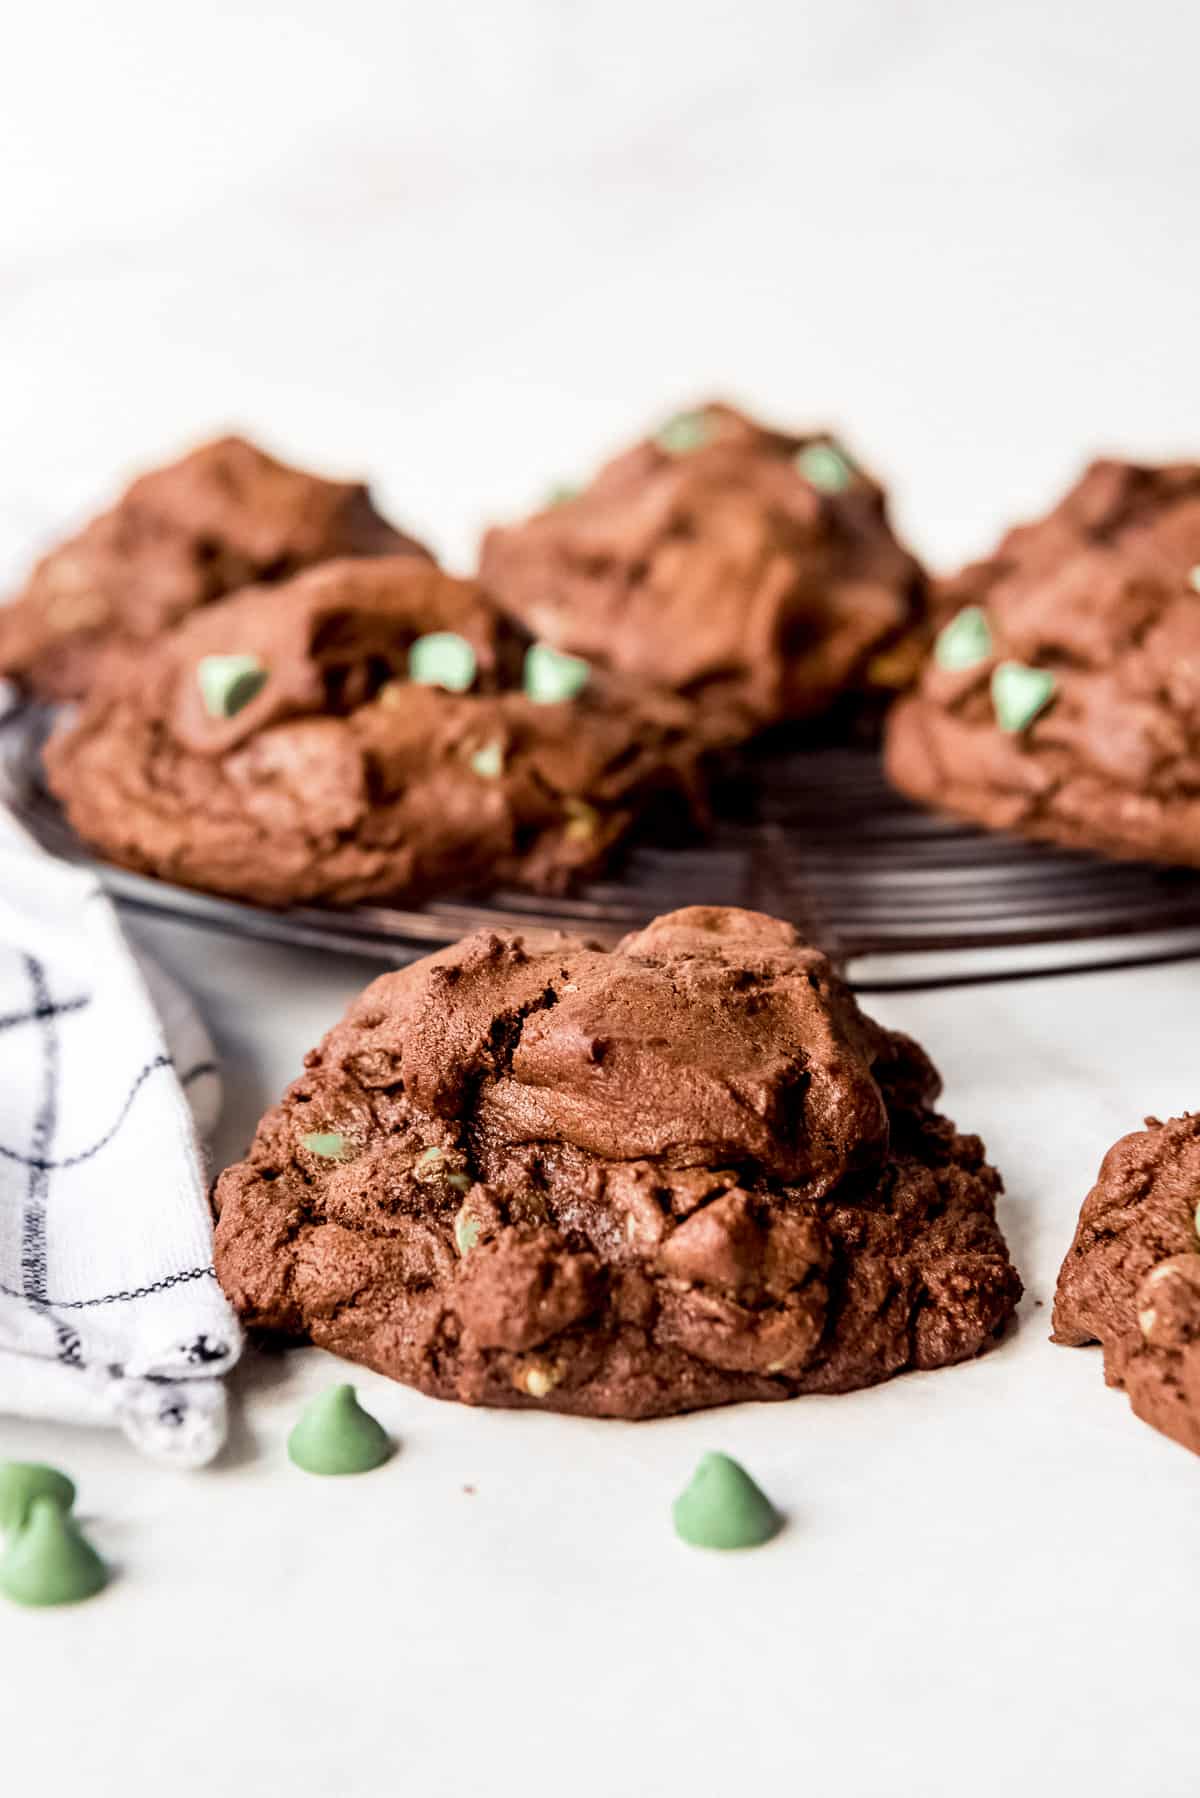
x: 1131, y: 1280
x: 363, y: 731
x: 528, y: 1172
x: 753, y: 570
x: 180, y: 537
x: 1063, y: 696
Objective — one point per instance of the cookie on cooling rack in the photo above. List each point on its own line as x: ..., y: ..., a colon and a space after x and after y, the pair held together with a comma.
x: 1131, y: 1279
x: 1062, y: 698
x: 527, y: 1172
x: 372, y: 729
x: 753, y: 570
x: 180, y: 537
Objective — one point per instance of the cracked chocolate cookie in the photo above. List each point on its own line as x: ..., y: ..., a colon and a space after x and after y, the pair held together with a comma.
x: 373, y: 728
x: 1062, y: 699
x: 1131, y: 1279
x: 753, y: 570
x: 528, y: 1172
x: 181, y: 536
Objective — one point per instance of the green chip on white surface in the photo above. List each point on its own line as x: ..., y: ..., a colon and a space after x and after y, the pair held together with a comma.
x: 49, y: 1561
x: 723, y: 1507
x: 23, y: 1481
x: 335, y: 1435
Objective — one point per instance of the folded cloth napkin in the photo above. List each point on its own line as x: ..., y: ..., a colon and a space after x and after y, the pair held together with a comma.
x: 109, y: 1308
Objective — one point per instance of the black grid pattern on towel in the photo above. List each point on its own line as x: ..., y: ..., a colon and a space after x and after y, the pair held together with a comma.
x: 34, y: 1261
x: 43, y: 1164
x: 48, y: 1010
x: 39, y: 1161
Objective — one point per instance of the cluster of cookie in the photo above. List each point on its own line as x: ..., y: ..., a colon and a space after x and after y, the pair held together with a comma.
x: 286, y: 700
x: 688, y: 1171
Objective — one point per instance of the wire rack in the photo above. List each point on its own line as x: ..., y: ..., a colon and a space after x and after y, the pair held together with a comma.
x: 900, y: 897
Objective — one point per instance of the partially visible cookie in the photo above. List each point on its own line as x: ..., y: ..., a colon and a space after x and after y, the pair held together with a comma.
x: 1131, y: 1279
x: 364, y: 731
x: 751, y: 569
x: 528, y: 1172
x: 181, y: 536
x: 1062, y: 699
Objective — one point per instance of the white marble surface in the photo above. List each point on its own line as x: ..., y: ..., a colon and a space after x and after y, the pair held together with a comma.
x: 467, y: 249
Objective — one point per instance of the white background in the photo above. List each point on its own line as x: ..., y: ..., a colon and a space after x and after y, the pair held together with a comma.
x: 468, y: 248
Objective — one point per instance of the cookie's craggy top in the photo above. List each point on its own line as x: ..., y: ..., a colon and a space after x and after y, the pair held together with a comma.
x: 181, y: 536
x: 683, y: 1173
x: 722, y: 571
x: 1097, y: 595
x: 341, y: 779
x: 1131, y: 1279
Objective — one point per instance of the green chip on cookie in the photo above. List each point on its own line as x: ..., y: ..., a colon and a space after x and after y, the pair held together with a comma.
x: 552, y: 676
x: 965, y: 642
x: 442, y: 659
x: 1020, y: 694
x: 228, y: 683
x: 825, y: 467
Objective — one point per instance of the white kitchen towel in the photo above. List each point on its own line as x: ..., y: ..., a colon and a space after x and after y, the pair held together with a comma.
x: 109, y: 1308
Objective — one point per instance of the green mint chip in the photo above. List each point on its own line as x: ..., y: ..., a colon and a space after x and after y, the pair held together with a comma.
x: 723, y: 1507
x: 433, y: 1161
x: 49, y: 1560
x: 335, y: 1436
x: 23, y: 1481
x: 965, y: 641
x: 1019, y: 694
x: 551, y: 676
x: 825, y: 467
x: 686, y: 432
x: 560, y: 494
x: 466, y: 1231
x: 228, y: 683
x: 442, y: 659
x: 330, y: 1145
x: 488, y: 762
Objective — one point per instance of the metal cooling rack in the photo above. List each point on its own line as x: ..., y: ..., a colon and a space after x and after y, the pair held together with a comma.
x: 901, y: 897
